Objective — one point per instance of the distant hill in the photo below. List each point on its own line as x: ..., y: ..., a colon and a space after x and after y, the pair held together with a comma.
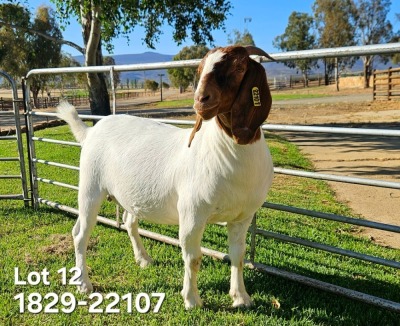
x: 274, y: 69
x: 146, y: 57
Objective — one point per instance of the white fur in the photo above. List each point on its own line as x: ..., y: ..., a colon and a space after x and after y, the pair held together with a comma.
x: 212, y: 59
x: 68, y: 113
x: 152, y: 173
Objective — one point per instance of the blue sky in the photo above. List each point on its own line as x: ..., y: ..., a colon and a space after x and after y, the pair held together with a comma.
x: 268, y: 19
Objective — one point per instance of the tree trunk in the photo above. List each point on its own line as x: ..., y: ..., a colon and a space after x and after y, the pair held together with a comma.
x: 326, y: 72
x: 98, y: 94
x: 35, y: 95
x: 99, y: 98
x: 305, y: 78
x: 367, y: 69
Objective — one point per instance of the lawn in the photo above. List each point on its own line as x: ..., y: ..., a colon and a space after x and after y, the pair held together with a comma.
x: 275, y: 97
x: 36, y: 240
x: 287, y: 96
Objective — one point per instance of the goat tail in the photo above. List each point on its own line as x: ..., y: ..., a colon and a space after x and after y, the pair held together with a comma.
x: 68, y: 113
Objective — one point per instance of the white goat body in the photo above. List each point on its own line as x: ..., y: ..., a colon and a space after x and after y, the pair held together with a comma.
x: 148, y: 167
x: 152, y: 173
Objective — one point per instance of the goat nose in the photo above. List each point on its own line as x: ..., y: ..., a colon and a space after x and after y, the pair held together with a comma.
x: 202, y: 98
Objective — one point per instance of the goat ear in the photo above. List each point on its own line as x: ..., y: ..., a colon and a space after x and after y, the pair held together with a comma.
x: 251, y: 106
x: 196, y: 128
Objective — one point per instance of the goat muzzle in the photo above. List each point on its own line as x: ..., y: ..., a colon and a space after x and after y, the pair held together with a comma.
x: 206, y: 104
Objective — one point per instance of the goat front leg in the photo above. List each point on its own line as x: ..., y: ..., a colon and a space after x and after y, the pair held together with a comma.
x: 237, y: 248
x: 141, y: 256
x: 190, y: 234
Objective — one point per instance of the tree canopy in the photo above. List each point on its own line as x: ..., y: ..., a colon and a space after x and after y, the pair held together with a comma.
x: 396, y: 38
x: 373, y: 27
x: 298, y: 36
x: 243, y: 39
x: 24, y: 51
x: 43, y: 52
x: 14, y: 44
x: 102, y: 21
x: 183, y: 77
x: 335, y: 23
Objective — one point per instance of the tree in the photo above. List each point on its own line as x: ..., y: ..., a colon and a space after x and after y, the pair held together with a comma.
x: 102, y: 21
x: 182, y: 77
x: 372, y: 28
x: 151, y: 84
x: 335, y: 22
x: 109, y: 61
x: 43, y: 52
x: 70, y: 80
x: 22, y: 51
x: 241, y: 39
x: 13, y: 42
x: 298, y: 36
x: 396, y: 38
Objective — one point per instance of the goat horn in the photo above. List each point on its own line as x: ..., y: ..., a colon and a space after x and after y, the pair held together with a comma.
x: 253, y: 50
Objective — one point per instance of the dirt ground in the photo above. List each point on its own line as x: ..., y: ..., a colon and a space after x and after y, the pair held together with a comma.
x: 360, y: 156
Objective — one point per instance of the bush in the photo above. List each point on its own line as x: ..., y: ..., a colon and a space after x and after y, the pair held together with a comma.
x: 151, y: 84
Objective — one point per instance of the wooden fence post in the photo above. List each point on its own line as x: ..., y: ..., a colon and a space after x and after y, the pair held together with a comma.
x: 389, y: 90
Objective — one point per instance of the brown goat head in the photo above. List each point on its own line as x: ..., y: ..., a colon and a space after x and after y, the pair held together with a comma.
x: 234, y: 89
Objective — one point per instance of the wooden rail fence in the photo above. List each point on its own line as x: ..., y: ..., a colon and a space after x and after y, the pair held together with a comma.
x: 386, y: 84
x: 76, y: 100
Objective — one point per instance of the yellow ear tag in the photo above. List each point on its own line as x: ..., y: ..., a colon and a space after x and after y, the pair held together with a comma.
x: 256, y: 96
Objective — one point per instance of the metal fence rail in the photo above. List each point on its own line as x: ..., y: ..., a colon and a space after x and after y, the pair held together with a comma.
x: 295, y: 210
x: 285, y: 56
x: 17, y: 137
x: 348, y: 51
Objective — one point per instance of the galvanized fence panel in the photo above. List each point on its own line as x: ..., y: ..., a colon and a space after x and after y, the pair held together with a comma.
x: 23, y: 195
x: 348, y: 51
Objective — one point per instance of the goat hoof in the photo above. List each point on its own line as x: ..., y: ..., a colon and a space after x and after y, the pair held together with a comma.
x: 241, y: 301
x: 192, y: 301
x: 144, y: 262
x: 191, y: 305
x: 86, y: 288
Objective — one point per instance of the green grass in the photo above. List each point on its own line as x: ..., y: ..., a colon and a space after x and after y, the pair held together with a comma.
x: 175, y: 103
x: 34, y: 240
x: 285, y: 96
x: 77, y: 92
x: 275, y: 97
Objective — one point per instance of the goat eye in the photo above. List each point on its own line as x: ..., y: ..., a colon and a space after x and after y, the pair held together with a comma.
x: 240, y: 69
x: 221, y: 79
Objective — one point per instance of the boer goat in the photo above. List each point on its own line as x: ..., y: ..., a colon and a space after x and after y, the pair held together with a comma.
x: 218, y: 172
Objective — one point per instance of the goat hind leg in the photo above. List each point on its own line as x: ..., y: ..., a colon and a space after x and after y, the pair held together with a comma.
x: 141, y: 256
x: 237, y: 248
x: 88, y: 207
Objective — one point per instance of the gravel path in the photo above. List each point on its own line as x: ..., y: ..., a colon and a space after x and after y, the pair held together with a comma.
x: 359, y: 156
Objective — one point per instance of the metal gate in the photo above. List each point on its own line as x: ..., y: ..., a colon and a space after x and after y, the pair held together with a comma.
x: 348, y: 51
x: 13, y: 117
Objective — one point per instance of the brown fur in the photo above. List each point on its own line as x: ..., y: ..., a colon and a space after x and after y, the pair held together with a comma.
x: 236, y: 93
